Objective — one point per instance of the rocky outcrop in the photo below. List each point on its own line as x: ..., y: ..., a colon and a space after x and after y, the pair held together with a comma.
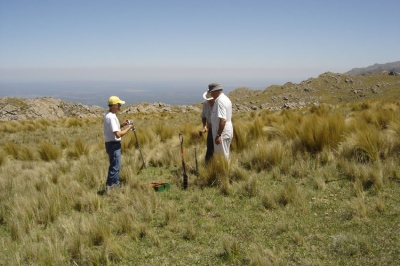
x: 50, y: 108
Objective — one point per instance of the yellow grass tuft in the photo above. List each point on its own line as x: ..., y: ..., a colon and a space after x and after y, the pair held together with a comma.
x: 240, y: 137
x: 319, y: 131
x: 217, y: 172
x: 363, y: 146
x: 48, y: 151
x: 78, y: 149
x: 11, y: 149
x: 264, y: 156
x: 290, y: 193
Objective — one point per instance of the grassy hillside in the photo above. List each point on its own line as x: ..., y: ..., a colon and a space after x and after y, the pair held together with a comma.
x: 328, y: 88
x: 318, y: 185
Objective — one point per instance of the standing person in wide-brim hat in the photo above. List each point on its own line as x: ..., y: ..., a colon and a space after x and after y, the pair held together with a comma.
x: 221, y: 119
x: 207, y: 126
x: 113, y: 136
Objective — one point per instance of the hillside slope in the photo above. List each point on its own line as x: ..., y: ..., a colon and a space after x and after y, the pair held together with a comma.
x: 391, y: 67
x: 328, y: 88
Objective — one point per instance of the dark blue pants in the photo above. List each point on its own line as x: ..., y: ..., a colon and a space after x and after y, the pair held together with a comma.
x: 210, y: 146
x: 114, y: 153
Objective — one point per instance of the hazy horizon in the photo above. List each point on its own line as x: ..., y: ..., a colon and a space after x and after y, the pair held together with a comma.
x: 97, y: 92
x: 173, y: 85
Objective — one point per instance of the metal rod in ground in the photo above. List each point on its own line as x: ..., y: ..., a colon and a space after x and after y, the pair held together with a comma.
x: 185, y: 177
x: 138, y: 147
x: 195, y: 158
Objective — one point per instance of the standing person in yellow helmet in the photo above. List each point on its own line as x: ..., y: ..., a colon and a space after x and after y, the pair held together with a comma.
x: 113, y: 136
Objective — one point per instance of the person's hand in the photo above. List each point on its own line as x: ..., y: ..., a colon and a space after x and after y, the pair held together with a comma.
x: 205, y: 129
x: 218, y: 140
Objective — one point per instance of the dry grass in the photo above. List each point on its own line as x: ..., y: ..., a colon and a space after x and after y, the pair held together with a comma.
x: 317, y: 186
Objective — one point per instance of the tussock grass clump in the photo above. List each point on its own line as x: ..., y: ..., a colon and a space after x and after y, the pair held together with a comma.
x: 11, y: 149
x: 274, y: 132
x: 164, y: 131
x: 319, y: 110
x: 256, y: 129
x: 240, y: 137
x: 365, y: 105
x: 8, y: 127
x: 217, y: 171
x: 238, y: 173
x: 363, y: 146
x: 230, y: 249
x: 251, y: 187
x: 3, y: 157
x: 290, y: 193
x: 269, y: 201
x: 27, y: 153
x: 264, y: 156
x: 73, y: 122
x: 19, y: 151
x: 190, y: 232
x: 384, y: 117
x: 349, y: 245
x: 43, y: 122
x: 317, y: 131
x: 123, y: 221
x: 142, y: 137
x: 28, y: 126
x: 393, y: 138
x: 48, y: 151
x: 78, y: 149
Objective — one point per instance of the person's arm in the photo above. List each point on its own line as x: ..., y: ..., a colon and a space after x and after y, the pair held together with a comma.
x: 221, y: 127
x: 124, y: 123
x: 204, y: 121
x: 119, y: 134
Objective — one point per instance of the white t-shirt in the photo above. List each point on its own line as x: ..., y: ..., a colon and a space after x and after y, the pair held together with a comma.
x: 111, y: 125
x: 206, y: 112
x: 222, y: 109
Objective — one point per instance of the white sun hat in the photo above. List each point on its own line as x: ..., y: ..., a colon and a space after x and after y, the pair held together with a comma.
x: 207, y: 96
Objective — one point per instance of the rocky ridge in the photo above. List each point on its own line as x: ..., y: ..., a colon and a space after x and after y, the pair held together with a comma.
x: 50, y: 108
x: 393, y: 67
x: 328, y: 88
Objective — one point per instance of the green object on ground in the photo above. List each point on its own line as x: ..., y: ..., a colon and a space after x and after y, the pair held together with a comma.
x: 160, y: 186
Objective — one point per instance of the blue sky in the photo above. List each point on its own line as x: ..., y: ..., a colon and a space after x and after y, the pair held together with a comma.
x: 237, y: 42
